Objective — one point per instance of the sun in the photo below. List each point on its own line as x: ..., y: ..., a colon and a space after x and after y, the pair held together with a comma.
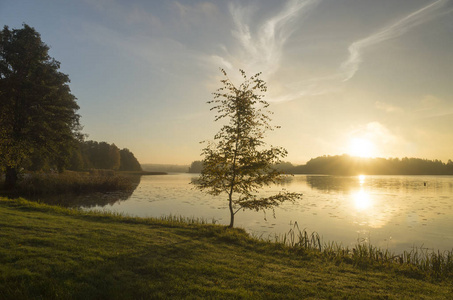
x: 361, y: 147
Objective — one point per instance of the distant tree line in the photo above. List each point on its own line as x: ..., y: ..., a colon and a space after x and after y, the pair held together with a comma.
x: 196, y: 166
x: 349, y: 165
x: 165, y: 168
x: 101, y: 155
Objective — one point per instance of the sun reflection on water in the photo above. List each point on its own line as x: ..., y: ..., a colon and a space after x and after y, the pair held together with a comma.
x: 362, y: 179
x: 362, y: 200
x: 366, y: 211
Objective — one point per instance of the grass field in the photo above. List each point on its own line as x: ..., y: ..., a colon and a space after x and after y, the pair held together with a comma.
x: 48, y: 252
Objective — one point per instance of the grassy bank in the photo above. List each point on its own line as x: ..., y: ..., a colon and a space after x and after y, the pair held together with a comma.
x: 48, y: 252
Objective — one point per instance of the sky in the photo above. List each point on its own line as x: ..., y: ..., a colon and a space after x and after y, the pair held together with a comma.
x: 358, y: 77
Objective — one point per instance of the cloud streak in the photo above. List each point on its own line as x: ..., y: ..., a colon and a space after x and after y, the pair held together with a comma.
x: 425, y: 14
x: 262, y: 48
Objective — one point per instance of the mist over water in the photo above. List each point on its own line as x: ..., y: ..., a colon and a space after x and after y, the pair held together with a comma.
x: 392, y: 212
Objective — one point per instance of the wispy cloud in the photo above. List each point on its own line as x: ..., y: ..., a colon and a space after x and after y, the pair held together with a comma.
x: 430, y: 106
x: 204, y: 8
x: 429, y: 12
x: 132, y: 14
x: 154, y: 51
x: 316, y: 86
x: 333, y: 82
x: 137, y: 32
x: 262, y: 44
x: 387, y: 107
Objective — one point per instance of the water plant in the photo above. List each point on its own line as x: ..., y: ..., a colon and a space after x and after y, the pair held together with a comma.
x: 418, y: 262
x: 72, y: 182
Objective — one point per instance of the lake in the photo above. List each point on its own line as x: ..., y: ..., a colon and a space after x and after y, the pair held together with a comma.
x: 391, y: 212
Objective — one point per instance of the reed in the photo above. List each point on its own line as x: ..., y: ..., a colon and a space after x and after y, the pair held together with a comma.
x: 297, y: 238
x: 72, y: 182
x: 186, y: 220
x: 417, y: 262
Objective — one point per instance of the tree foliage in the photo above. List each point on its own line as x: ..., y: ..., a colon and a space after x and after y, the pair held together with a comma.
x: 37, y: 109
x: 128, y: 162
x: 102, y: 155
x: 237, y: 162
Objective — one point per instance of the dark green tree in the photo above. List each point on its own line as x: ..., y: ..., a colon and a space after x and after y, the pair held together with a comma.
x: 238, y: 163
x: 128, y: 161
x: 114, y: 157
x: 100, y: 155
x: 37, y: 109
x: 77, y: 161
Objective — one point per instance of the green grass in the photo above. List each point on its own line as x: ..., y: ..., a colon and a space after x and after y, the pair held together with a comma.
x: 49, y: 252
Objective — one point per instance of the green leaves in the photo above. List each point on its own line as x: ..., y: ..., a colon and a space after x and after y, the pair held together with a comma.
x: 37, y: 109
x: 237, y: 162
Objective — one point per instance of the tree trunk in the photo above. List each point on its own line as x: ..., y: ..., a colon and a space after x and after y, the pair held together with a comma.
x: 231, y: 213
x: 10, y: 178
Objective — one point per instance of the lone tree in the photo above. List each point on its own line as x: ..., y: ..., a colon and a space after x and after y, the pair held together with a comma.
x: 237, y: 163
x: 37, y: 109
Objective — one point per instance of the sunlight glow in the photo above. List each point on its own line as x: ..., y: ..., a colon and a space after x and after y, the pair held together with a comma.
x: 361, y: 147
x: 362, y: 200
x: 362, y: 179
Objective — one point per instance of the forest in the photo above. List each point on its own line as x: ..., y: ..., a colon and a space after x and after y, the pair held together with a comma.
x: 350, y: 165
x: 84, y: 155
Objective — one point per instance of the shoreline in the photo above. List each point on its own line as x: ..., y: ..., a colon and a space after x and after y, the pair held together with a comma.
x: 79, y: 254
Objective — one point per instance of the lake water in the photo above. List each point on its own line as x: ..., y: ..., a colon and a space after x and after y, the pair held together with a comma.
x: 391, y: 212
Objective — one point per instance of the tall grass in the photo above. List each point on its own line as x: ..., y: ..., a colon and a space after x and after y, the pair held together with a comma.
x: 417, y: 262
x: 72, y: 182
x: 300, y: 239
x: 186, y: 220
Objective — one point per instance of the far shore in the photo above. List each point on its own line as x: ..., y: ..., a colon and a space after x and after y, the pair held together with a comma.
x: 142, y: 173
